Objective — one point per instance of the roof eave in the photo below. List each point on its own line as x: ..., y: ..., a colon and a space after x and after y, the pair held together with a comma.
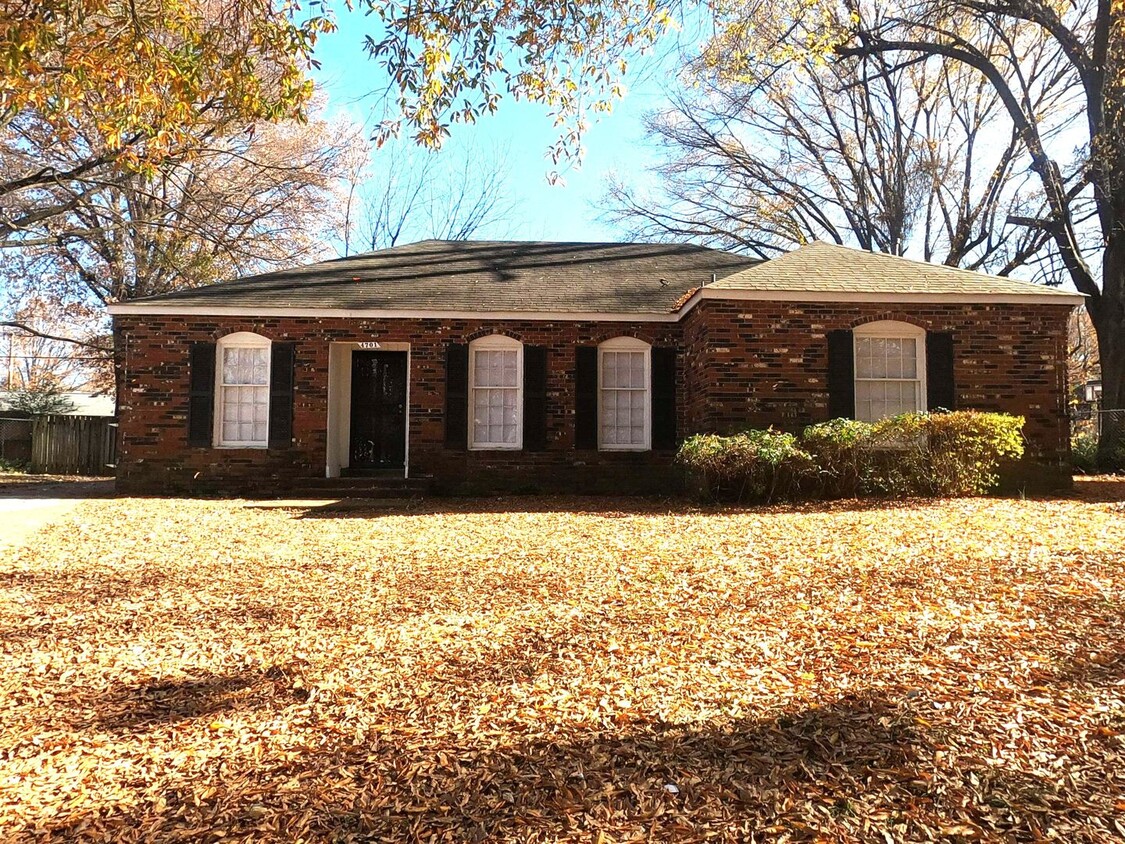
x: 136, y: 309
x: 1047, y: 297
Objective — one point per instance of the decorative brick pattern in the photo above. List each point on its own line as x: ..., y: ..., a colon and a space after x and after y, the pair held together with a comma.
x: 740, y: 363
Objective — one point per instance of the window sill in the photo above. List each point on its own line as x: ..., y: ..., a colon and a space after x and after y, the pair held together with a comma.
x: 623, y: 449
x: 241, y: 447
x: 496, y: 448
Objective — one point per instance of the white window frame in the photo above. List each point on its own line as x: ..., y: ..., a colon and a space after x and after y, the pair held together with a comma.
x: 492, y: 343
x: 892, y: 330
x: 239, y: 340
x: 627, y: 344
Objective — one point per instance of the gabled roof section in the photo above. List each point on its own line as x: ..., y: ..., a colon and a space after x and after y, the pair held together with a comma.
x: 825, y: 268
x: 471, y: 277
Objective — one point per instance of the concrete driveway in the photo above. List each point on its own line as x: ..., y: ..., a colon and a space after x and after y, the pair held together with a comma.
x: 28, y: 502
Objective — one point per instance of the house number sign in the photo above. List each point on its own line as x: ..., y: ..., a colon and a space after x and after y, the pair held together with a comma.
x: 369, y: 344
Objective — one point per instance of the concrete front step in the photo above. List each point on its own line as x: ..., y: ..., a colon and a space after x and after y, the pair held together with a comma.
x: 368, y: 489
x: 348, y: 503
x: 369, y: 481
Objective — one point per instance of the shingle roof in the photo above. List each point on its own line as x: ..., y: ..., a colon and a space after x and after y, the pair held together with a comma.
x: 480, y: 276
x: 583, y: 278
x: 828, y: 268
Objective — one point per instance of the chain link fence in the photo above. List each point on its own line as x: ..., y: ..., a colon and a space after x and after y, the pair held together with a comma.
x: 15, y: 443
x: 1111, y: 438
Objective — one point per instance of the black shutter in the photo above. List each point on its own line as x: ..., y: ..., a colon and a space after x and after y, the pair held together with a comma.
x: 535, y: 398
x: 940, y: 391
x: 281, y: 394
x: 586, y: 397
x: 663, y: 398
x: 841, y: 375
x: 201, y: 394
x: 457, y: 396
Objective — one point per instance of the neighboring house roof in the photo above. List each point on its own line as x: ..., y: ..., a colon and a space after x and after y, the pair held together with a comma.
x: 582, y: 280
x: 85, y: 404
x: 621, y: 278
x: 828, y: 268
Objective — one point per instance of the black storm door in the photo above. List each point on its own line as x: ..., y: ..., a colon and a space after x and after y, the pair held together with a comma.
x: 378, y: 439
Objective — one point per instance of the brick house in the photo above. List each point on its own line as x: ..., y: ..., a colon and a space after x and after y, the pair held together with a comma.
x: 497, y: 365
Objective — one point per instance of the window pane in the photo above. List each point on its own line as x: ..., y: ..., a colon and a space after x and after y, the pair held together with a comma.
x: 245, y: 416
x: 495, y: 368
x: 636, y: 369
x: 495, y: 415
x: 245, y: 365
x: 623, y: 416
x: 909, y: 358
x: 609, y: 369
x: 875, y: 400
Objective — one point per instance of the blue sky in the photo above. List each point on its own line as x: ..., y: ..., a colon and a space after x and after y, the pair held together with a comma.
x: 523, y: 131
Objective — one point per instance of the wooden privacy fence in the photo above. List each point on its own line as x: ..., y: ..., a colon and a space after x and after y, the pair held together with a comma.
x: 74, y: 445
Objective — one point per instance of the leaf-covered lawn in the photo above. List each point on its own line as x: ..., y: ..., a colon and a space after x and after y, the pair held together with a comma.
x: 548, y: 670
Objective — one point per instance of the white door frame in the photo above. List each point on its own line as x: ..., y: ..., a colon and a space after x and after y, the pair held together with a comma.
x: 339, y: 423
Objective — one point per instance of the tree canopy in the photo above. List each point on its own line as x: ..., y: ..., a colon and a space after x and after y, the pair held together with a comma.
x: 146, y: 78
x: 140, y: 72
x: 450, y: 61
x: 921, y: 161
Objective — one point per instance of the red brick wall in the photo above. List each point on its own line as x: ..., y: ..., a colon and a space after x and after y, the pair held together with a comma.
x: 154, y: 455
x: 765, y: 363
x: 741, y: 363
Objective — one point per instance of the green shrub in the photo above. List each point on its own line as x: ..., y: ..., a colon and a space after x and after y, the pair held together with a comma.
x: 1087, y: 457
x: 939, y: 454
x: 966, y: 449
x: 838, y: 449
x: 753, y: 465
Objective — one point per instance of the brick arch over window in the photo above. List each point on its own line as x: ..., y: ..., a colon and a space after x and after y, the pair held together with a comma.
x: 240, y: 328
x: 631, y: 334
x: 481, y: 333
x: 892, y: 316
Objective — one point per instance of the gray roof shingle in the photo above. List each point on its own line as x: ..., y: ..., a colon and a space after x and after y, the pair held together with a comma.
x: 581, y: 278
x: 827, y: 268
x: 481, y: 276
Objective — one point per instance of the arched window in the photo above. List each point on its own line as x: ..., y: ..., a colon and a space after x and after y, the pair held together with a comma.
x: 624, y: 395
x: 495, y: 393
x: 242, y: 391
x: 890, y: 370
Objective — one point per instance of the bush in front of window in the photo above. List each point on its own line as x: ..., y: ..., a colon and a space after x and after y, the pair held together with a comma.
x: 839, y: 450
x: 938, y: 454
x: 965, y: 449
x: 749, y: 466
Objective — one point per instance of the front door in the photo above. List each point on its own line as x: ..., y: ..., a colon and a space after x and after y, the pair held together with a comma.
x: 378, y: 439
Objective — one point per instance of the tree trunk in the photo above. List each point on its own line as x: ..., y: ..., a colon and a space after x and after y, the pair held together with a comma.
x: 1107, y: 313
